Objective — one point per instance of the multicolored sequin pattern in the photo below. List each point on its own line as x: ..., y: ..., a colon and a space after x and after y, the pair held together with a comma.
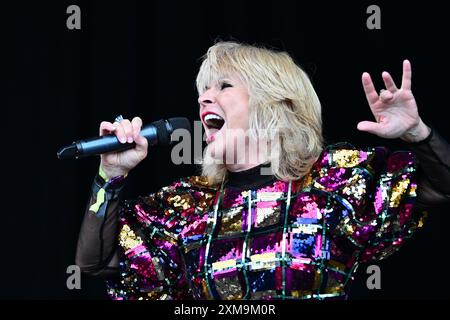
x: 288, y: 240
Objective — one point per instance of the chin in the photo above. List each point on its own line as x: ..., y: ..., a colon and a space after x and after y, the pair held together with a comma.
x: 215, y: 152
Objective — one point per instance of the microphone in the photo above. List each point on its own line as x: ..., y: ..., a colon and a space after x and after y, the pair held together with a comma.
x: 157, y: 133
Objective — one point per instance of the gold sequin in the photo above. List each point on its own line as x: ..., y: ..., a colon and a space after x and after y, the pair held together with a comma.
x: 128, y: 239
x: 345, y: 158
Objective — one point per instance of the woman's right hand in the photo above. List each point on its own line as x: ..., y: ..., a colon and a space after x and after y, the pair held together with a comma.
x: 120, y: 163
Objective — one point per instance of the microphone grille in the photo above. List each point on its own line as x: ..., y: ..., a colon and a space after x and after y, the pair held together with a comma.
x: 164, y: 131
x: 180, y: 123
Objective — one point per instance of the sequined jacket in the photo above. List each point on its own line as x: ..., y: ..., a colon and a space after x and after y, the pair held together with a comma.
x: 272, y: 239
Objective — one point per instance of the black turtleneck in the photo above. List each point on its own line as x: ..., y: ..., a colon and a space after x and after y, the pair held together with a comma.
x: 249, y: 179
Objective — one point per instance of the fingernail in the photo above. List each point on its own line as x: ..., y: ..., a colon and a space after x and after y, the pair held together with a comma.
x: 130, y: 139
x: 123, y: 140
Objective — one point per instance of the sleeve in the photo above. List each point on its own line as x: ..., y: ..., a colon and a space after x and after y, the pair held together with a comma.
x: 96, y: 252
x: 372, y: 194
x: 410, y: 184
x: 151, y: 265
x: 390, y: 217
x: 433, y: 157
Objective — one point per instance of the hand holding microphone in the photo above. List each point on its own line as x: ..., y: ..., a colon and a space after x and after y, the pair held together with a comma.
x: 120, y: 163
x: 124, y: 143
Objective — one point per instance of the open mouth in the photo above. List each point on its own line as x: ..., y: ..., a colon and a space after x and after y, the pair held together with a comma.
x: 213, y: 121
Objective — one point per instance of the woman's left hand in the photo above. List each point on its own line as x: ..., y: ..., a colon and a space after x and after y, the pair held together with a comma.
x: 395, y: 110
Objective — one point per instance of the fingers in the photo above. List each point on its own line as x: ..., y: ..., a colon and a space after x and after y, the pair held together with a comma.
x: 141, y: 144
x: 369, y: 89
x: 125, y: 130
x: 389, y: 82
x: 106, y: 128
x: 136, y: 123
x: 386, y: 95
x: 407, y: 74
x: 369, y: 126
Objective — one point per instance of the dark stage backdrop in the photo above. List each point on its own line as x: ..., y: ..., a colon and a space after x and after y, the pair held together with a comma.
x: 141, y: 58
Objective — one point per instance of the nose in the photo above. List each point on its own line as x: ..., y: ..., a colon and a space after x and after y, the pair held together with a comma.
x: 207, y: 97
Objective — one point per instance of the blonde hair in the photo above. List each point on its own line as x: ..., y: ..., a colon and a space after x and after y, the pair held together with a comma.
x: 281, y: 99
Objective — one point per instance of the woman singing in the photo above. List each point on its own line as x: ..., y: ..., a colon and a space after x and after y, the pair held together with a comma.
x: 275, y: 214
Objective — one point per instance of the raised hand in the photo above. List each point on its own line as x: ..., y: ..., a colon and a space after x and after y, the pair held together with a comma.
x: 395, y: 110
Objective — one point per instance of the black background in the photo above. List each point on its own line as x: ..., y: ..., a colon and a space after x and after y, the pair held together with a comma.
x: 141, y: 58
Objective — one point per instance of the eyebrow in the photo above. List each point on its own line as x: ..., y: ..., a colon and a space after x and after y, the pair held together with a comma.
x: 218, y: 80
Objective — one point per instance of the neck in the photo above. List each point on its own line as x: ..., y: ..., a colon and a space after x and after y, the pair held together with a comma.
x: 242, y: 167
x: 250, y: 178
x: 248, y: 159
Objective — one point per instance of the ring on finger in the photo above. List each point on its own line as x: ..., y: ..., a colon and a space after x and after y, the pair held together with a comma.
x: 118, y: 119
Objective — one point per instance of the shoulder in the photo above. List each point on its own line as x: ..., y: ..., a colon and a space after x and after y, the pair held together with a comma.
x: 190, y: 188
x: 376, y: 159
x: 172, y: 206
x: 192, y: 182
x: 186, y: 185
x: 352, y: 172
x: 347, y: 181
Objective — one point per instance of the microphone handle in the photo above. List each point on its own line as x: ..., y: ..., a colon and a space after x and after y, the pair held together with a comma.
x: 110, y: 143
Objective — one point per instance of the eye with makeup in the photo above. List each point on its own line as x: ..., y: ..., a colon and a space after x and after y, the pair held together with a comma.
x: 225, y: 84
